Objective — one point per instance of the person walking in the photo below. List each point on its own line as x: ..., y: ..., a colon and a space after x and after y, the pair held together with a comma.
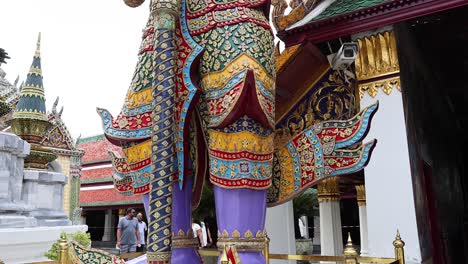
x: 128, y: 234
x: 142, y: 229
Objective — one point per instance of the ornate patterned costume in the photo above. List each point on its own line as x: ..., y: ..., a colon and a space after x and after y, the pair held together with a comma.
x: 203, y: 94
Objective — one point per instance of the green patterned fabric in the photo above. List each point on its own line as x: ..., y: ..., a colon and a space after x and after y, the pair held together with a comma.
x: 225, y: 44
x: 340, y: 7
x: 81, y: 255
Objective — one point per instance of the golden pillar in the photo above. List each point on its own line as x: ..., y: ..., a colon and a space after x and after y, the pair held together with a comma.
x: 63, y: 249
x: 121, y: 212
x: 266, y: 251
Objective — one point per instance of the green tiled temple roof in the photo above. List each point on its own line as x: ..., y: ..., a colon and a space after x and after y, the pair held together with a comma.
x: 91, y: 139
x: 341, y: 7
x: 31, y: 103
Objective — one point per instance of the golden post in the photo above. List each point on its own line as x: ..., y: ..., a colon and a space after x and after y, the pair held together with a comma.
x: 267, y: 250
x: 224, y: 259
x: 349, y: 252
x: 63, y: 249
x: 399, y: 248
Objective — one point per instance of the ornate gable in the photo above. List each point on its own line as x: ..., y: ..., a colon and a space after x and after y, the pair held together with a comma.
x: 58, y: 135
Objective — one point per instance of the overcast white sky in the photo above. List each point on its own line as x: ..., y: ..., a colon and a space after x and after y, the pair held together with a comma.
x: 89, y: 51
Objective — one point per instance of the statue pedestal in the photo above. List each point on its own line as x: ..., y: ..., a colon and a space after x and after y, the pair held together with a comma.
x: 13, y: 211
x: 31, y: 205
x: 43, y: 190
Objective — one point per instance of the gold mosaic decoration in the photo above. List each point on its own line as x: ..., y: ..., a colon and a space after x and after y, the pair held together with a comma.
x: 361, y: 194
x: 329, y: 190
x: 377, y: 64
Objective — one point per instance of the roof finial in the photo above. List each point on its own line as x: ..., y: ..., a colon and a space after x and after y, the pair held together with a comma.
x: 38, y: 46
x: 16, y: 81
x: 78, y: 139
x: 59, y: 115
x: 54, y: 106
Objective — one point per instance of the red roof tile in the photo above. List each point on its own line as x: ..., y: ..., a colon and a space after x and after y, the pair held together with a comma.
x: 97, y: 150
x: 93, y: 174
x: 106, y: 197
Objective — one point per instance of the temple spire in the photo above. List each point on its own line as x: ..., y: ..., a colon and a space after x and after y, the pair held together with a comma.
x: 30, y: 120
x: 31, y: 103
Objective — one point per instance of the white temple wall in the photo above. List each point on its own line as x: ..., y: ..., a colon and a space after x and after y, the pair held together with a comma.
x: 279, y: 224
x: 389, y: 190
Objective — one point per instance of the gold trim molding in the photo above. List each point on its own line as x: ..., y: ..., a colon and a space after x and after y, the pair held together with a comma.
x: 361, y: 194
x: 386, y: 85
x: 329, y: 190
x: 184, y: 240
x: 246, y: 243
x: 155, y: 257
x: 377, y: 64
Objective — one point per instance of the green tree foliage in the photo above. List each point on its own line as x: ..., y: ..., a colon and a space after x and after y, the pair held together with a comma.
x: 3, y: 56
x: 82, y: 238
x: 206, y: 208
x: 306, y: 204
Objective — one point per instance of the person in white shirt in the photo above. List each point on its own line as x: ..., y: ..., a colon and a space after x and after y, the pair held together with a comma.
x: 197, y: 232
x: 142, y: 228
x: 205, y: 237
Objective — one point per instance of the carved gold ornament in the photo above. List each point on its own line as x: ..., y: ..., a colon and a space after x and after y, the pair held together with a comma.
x: 361, y: 195
x: 299, y: 8
x: 377, y: 64
x: 329, y: 190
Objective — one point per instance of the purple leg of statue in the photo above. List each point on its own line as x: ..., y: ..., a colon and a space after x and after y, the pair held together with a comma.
x: 241, y: 210
x: 182, y: 220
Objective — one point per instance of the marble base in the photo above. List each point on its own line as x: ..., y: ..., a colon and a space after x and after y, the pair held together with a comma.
x: 44, y: 191
x: 26, y: 245
x: 16, y: 221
